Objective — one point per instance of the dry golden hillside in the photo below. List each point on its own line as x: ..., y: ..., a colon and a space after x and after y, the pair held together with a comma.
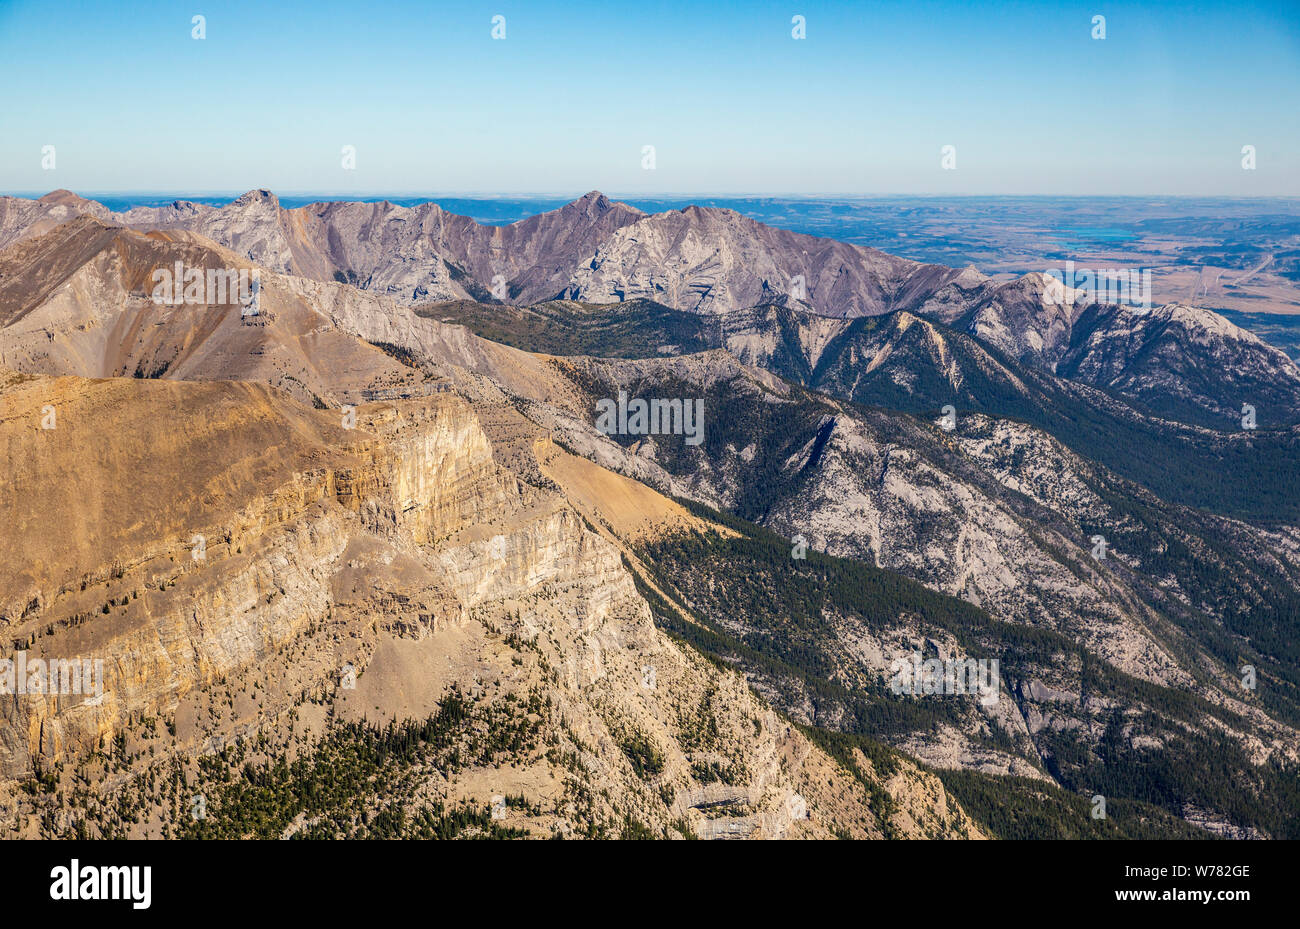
x: 264, y: 584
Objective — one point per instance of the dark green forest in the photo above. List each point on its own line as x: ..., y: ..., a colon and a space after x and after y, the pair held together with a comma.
x: 785, y: 607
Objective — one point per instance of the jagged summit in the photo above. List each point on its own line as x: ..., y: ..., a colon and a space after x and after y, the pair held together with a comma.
x: 595, y: 204
x: 257, y: 195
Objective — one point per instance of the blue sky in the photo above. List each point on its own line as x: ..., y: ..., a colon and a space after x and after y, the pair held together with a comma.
x: 732, y: 103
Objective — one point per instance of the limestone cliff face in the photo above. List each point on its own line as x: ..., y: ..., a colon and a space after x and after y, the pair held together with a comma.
x: 344, y: 514
x: 263, y: 548
x: 203, y: 554
x: 166, y: 612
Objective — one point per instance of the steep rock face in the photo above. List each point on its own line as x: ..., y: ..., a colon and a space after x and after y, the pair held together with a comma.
x: 883, y: 502
x: 231, y: 472
x: 252, y: 226
x: 1030, y: 318
x: 483, y: 369
x: 411, y: 254
x: 399, y: 252
x: 913, y: 364
x: 534, y: 257
x: 315, y: 502
x: 897, y: 359
x: 1176, y: 361
x: 594, y: 249
x: 446, y: 534
x: 854, y: 489
x: 779, y: 338
x: 401, y: 547
x: 1162, y: 552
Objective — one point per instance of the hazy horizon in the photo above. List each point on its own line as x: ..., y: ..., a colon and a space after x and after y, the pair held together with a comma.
x: 569, y: 196
x: 732, y: 103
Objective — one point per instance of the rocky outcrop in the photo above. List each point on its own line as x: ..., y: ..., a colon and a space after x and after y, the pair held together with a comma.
x: 376, y: 490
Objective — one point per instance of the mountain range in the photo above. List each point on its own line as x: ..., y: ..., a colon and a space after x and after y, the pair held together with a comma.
x: 396, y: 473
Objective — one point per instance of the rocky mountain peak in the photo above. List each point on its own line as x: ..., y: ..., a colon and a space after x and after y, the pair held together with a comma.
x: 62, y: 195
x: 258, y: 196
x: 63, y: 204
x: 595, y: 204
x: 1199, y: 318
x: 698, y: 213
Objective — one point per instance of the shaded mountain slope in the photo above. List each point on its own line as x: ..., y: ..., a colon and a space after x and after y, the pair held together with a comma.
x: 904, y: 362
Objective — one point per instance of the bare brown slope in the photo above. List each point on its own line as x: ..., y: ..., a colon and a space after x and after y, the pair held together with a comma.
x: 77, y: 300
x: 34, y: 268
